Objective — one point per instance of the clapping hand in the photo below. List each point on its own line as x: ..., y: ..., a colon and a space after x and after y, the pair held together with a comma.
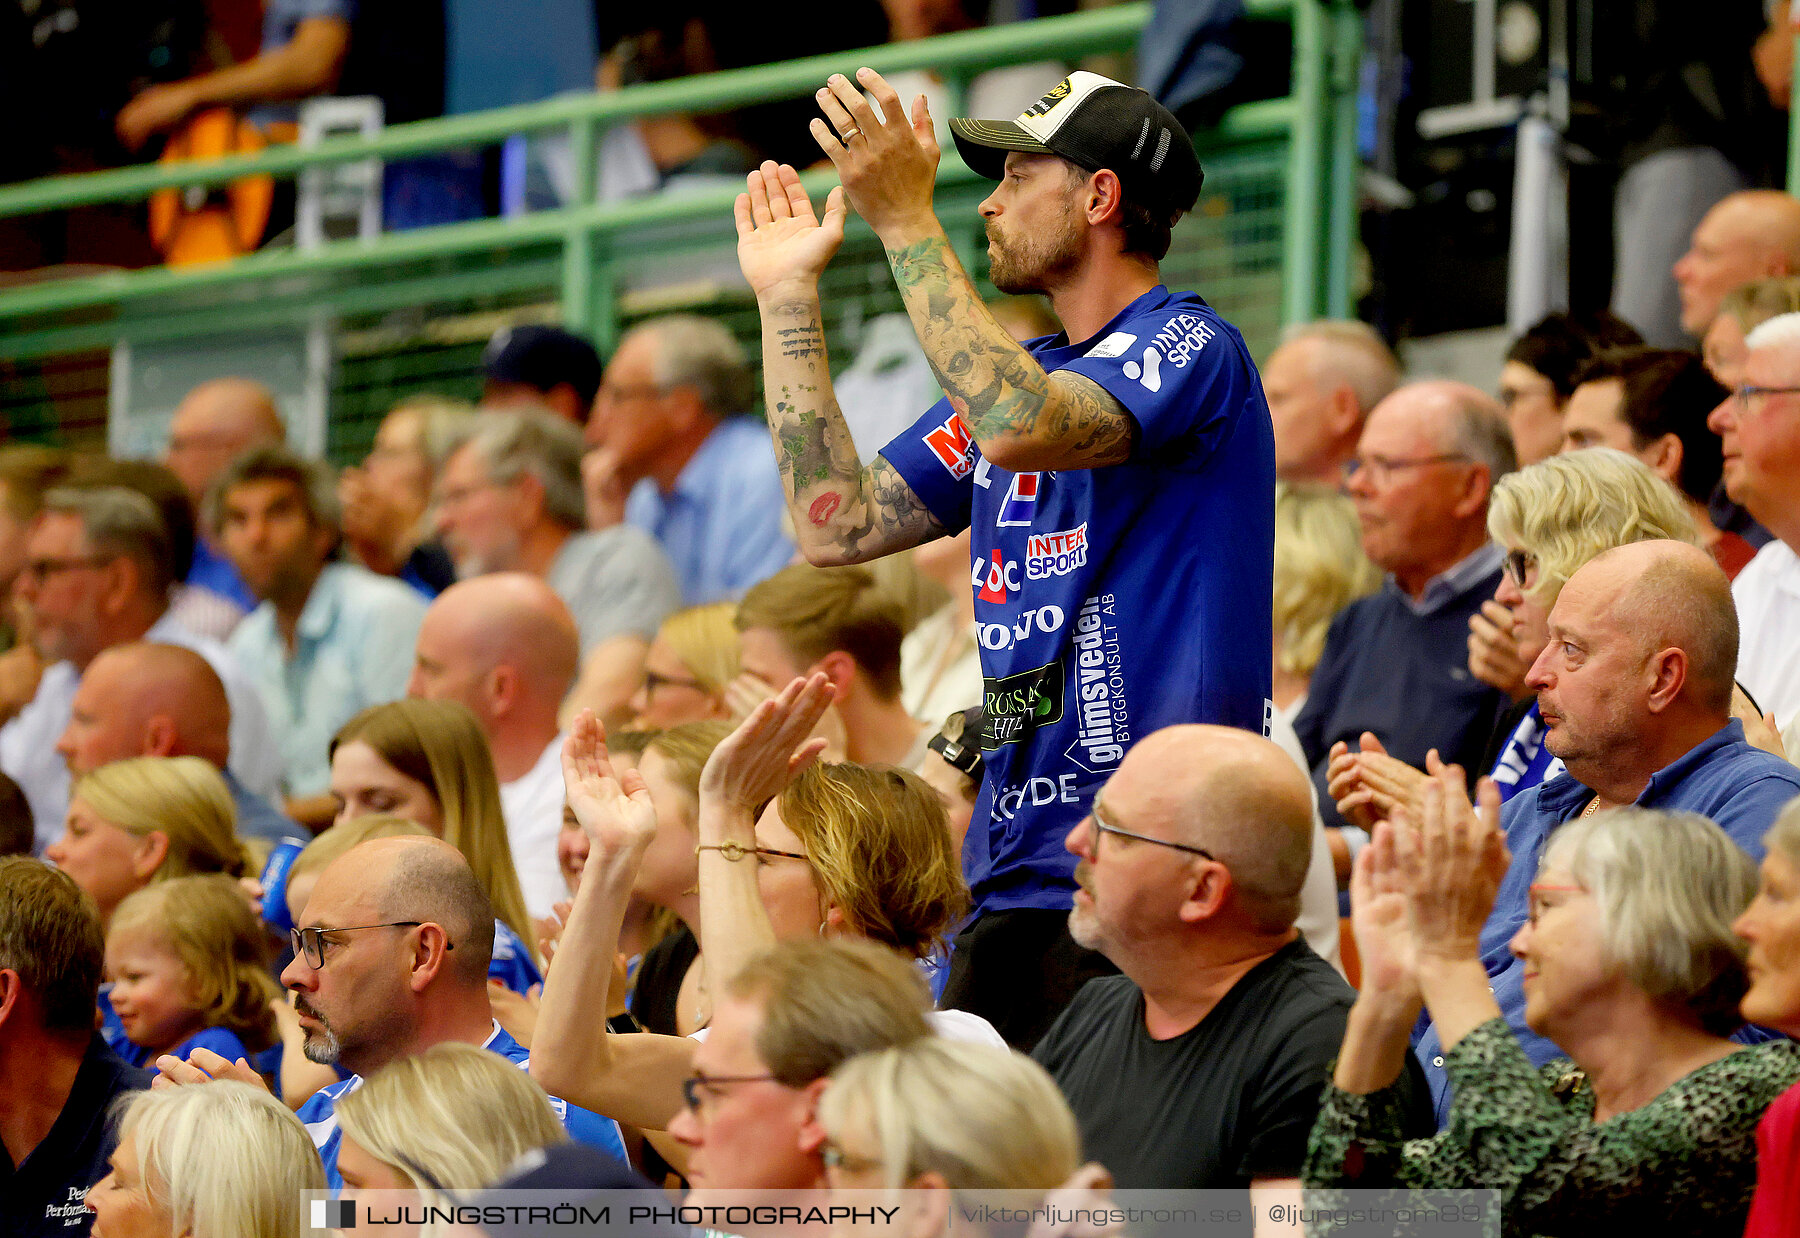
x: 780, y: 240
x: 1379, y: 915
x: 1454, y: 870
x: 887, y: 161
x: 614, y: 810
x: 755, y: 762
x: 1369, y: 786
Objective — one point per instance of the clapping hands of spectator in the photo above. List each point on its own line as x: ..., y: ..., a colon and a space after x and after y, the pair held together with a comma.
x: 1368, y: 786
x: 1380, y: 916
x: 1494, y: 651
x: 754, y: 763
x: 1453, y: 866
x: 614, y: 810
x: 746, y: 692
x: 781, y: 244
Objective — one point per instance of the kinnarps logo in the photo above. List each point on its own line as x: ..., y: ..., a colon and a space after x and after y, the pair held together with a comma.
x: 1014, y: 707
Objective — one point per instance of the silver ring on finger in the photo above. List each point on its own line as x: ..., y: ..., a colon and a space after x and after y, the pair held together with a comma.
x: 851, y: 132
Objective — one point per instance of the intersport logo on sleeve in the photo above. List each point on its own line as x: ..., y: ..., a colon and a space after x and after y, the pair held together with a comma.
x: 1056, y: 554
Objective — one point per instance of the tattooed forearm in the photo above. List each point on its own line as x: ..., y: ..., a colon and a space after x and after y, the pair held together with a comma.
x: 842, y: 512
x: 1021, y: 416
x: 806, y: 340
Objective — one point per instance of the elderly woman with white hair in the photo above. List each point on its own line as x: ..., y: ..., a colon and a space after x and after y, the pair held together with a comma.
x: 223, y: 1161
x: 1631, y: 968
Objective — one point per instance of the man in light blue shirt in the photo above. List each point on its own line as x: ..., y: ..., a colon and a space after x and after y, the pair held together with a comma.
x: 326, y: 639
x: 701, y: 479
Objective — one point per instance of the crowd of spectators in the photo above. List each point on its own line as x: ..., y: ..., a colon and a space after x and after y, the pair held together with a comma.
x: 599, y: 778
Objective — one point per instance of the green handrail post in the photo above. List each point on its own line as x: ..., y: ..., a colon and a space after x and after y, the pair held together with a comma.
x: 578, y: 308
x: 1344, y: 159
x: 1793, y: 159
x: 1301, y: 286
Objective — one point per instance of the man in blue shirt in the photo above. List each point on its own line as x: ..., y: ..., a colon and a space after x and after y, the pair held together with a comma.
x: 1118, y: 479
x: 362, y: 1002
x: 698, y: 477
x: 1635, y: 692
x: 326, y: 639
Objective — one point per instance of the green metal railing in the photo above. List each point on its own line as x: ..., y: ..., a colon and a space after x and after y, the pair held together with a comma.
x: 578, y: 254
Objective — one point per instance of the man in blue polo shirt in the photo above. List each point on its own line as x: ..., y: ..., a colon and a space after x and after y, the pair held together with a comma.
x: 391, y: 957
x: 1635, y: 692
x: 1118, y: 479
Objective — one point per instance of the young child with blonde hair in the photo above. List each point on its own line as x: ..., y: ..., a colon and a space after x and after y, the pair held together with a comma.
x: 189, y: 969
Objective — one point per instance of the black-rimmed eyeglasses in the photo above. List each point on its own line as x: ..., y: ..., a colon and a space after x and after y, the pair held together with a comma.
x: 697, y: 1088
x: 309, y: 943
x: 1103, y: 826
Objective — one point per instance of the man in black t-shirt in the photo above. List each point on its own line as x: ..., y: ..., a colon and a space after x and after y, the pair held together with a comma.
x: 1203, y: 1064
x: 58, y: 1079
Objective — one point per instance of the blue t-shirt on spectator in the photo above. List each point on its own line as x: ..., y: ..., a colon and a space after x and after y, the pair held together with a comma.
x: 319, y: 1114
x: 1724, y: 779
x: 222, y: 1041
x: 512, y: 964
x: 1109, y: 602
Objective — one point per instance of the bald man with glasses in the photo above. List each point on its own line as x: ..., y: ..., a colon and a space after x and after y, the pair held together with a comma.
x: 1202, y: 1064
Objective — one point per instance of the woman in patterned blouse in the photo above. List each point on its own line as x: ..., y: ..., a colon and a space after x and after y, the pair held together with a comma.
x: 1631, y: 967
x: 1772, y: 927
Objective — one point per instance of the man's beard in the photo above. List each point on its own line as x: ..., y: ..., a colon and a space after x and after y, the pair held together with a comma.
x: 1084, y: 925
x: 1020, y: 265
x: 322, y: 1044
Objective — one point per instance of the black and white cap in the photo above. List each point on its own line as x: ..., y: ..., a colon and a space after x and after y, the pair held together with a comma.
x: 1095, y: 122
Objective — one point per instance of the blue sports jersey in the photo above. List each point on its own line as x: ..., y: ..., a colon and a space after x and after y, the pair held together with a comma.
x: 512, y: 964
x: 221, y: 1041
x: 1109, y: 602
x: 319, y: 1114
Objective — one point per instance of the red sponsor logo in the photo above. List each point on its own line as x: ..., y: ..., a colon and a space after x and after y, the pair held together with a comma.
x: 953, y: 447
x: 995, y: 579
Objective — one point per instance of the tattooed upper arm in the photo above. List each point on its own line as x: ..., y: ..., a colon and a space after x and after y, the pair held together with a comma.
x: 1090, y: 429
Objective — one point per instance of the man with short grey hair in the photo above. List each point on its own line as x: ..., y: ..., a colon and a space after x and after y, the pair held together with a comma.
x: 1759, y: 425
x: 1203, y: 1064
x: 1321, y: 383
x: 667, y: 425
x: 509, y: 500
x: 1395, y: 663
x: 97, y: 574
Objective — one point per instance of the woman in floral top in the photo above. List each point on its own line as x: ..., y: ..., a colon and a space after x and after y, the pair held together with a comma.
x: 1631, y: 967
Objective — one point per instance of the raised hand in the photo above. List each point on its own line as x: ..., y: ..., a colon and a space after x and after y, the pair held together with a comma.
x: 780, y: 240
x: 1454, y: 872
x: 1379, y: 915
x: 887, y: 163
x: 755, y: 762
x: 614, y: 811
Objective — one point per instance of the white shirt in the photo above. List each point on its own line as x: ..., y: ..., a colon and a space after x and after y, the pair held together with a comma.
x: 28, y: 743
x: 533, y: 804
x: 1318, y: 919
x: 1767, y: 593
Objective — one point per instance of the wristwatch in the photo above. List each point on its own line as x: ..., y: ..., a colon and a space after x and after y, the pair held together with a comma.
x: 624, y: 1024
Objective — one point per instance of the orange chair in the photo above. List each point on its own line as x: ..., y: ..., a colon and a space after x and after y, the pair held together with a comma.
x: 198, y: 223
